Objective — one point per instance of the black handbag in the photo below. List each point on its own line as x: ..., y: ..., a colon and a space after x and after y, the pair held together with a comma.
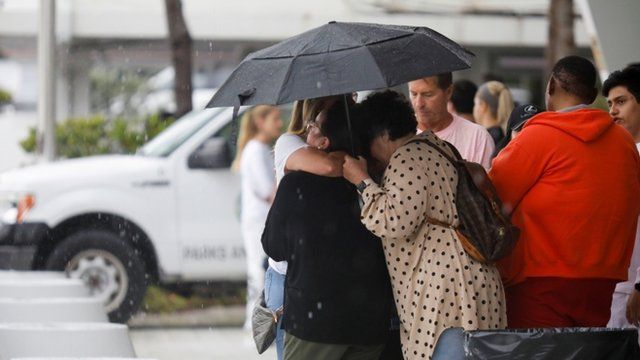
x: 264, y: 324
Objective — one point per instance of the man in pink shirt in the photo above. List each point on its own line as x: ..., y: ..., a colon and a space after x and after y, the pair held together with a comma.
x: 429, y: 97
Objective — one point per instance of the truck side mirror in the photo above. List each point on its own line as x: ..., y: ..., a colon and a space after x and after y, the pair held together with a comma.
x: 212, y: 154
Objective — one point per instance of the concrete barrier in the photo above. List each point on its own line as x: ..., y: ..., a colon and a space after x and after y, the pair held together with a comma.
x: 79, y: 358
x: 14, y: 274
x: 52, y: 310
x: 20, y: 340
x: 36, y: 288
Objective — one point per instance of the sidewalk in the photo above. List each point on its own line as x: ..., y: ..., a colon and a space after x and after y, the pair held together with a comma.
x: 196, y: 344
x: 211, y: 333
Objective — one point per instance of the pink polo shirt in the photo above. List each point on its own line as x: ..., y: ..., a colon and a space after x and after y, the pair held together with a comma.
x: 472, y: 140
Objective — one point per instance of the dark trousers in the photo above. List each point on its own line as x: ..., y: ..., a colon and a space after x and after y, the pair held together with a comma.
x: 298, y: 349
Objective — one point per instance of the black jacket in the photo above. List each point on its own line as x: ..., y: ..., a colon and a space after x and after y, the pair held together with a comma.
x: 337, y: 288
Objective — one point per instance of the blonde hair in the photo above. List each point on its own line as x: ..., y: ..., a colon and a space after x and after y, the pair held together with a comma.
x: 249, y: 129
x: 499, y: 100
x: 305, y: 111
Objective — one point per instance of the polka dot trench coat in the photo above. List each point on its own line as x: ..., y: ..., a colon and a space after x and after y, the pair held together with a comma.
x: 436, y: 285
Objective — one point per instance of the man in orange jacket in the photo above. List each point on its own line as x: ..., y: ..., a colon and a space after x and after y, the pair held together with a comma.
x: 572, y: 182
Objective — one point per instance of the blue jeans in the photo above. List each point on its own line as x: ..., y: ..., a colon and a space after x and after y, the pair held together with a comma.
x: 450, y: 345
x: 274, y: 297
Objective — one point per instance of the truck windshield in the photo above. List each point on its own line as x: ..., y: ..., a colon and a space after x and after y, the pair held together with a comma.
x: 170, y: 139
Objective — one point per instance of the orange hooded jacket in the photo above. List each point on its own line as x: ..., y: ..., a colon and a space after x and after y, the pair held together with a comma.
x: 572, y: 180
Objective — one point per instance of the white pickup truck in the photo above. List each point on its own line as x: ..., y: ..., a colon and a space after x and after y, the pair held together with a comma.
x: 167, y: 214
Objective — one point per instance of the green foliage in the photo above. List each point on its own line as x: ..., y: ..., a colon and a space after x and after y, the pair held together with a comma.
x: 5, y: 97
x: 108, y: 85
x: 155, y: 124
x: 82, y: 137
x: 29, y: 143
x: 159, y: 300
x: 96, y: 135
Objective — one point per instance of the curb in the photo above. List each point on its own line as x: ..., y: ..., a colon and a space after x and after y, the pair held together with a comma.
x: 218, y: 316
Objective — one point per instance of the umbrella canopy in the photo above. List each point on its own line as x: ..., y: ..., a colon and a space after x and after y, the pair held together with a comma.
x: 339, y: 58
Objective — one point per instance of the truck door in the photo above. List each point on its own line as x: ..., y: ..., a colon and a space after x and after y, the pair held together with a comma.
x: 208, y: 198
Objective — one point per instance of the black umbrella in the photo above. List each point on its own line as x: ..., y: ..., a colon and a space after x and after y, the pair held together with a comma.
x: 339, y: 58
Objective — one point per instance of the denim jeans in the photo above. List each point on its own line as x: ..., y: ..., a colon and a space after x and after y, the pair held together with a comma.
x: 274, y: 297
x: 450, y: 345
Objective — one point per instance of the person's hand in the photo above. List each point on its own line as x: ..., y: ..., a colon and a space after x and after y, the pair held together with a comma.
x: 355, y: 170
x: 633, y: 308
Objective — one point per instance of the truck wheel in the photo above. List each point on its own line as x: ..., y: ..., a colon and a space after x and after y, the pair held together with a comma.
x: 108, y: 265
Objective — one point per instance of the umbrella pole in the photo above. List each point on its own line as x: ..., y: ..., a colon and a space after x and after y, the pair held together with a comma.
x: 346, y: 110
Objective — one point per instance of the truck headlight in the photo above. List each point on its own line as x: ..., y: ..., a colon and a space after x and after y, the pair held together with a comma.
x: 25, y: 204
x: 14, y: 207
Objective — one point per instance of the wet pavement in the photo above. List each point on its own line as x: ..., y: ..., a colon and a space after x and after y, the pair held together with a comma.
x: 196, y: 344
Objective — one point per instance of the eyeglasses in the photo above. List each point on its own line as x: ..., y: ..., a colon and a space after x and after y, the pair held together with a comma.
x: 312, y: 124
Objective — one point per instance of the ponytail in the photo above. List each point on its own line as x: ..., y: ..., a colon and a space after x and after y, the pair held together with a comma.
x: 505, y: 107
x: 499, y: 100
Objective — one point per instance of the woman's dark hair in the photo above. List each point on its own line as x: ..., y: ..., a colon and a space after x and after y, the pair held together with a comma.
x: 462, y: 96
x: 335, y: 128
x: 385, y: 112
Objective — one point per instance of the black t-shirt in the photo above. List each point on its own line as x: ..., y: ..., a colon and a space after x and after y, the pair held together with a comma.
x: 337, y: 286
x: 496, y: 134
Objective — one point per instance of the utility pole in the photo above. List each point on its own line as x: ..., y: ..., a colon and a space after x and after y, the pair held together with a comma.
x: 46, y: 80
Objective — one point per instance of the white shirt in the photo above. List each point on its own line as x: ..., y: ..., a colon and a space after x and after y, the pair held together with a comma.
x: 257, y: 181
x: 626, y: 288
x: 472, y: 140
x: 286, y: 145
x: 633, y: 278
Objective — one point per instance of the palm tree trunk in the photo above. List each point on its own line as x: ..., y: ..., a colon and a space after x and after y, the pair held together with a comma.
x: 180, y: 41
x: 561, y: 37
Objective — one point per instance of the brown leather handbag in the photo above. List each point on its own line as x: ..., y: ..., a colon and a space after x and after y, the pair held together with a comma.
x: 485, y: 230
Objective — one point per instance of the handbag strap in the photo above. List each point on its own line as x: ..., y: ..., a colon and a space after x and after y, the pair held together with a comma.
x: 437, y: 222
x: 442, y: 152
x: 431, y: 220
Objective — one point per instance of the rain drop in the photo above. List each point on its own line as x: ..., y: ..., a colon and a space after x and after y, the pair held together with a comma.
x: 319, y: 84
x: 310, y: 315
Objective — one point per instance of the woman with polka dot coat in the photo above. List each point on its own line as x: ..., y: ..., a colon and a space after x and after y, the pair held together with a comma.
x: 436, y: 285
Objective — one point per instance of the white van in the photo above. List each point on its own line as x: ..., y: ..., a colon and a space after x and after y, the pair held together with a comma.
x: 169, y: 213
